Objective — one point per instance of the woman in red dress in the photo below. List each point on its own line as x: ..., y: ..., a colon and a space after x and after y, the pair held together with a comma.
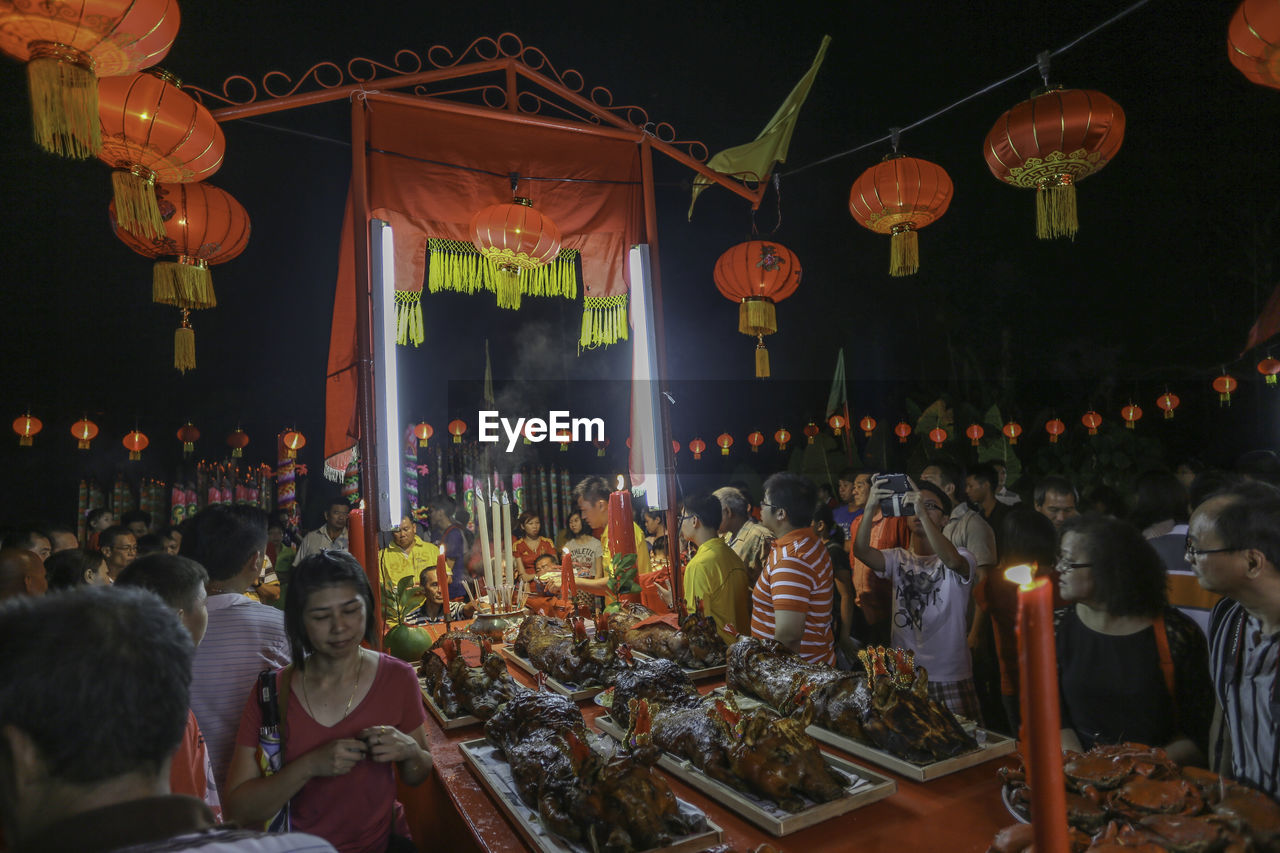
x: 531, y: 545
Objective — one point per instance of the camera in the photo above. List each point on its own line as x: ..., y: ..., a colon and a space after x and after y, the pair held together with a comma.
x: 893, y: 506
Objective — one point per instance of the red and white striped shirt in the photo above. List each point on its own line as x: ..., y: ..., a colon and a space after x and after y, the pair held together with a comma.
x: 797, y: 577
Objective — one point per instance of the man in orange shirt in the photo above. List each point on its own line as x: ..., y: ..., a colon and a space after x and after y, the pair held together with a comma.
x: 792, y: 599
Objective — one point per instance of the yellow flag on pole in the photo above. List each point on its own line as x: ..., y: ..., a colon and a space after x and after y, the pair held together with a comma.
x: 755, y: 160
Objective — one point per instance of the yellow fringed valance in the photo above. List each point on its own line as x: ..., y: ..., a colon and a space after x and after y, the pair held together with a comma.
x: 604, y: 321
x: 409, y: 317
x: 458, y: 266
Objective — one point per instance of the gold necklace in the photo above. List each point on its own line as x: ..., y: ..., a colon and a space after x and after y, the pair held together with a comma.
x: 350, y: 699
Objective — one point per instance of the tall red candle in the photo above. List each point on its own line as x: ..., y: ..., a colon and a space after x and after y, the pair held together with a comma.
x: 442, y: 578
x: 622, y: 532
x: 355, y: 536
x: 568, y: 581
x: 1041, y: 722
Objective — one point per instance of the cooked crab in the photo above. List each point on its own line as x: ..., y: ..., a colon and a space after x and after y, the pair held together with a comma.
x: 1107, y: 767
x: 1210, y: 784
x: 1252, y: 813
x: 1122, y: 838
x: 1185, y: 834
x: 1140, y: 797
x: 1020, y: 838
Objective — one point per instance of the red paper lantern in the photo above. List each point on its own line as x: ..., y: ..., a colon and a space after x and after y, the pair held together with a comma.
x: 515, y: 238
x: 937, y: 435
x: 757, y: 275
x: 902, y: 431
x: 26, y: 427
x: 697, y: 446
x: 456, y: 429
x: 975, y: 433
x: 836, y: 422
x: 1168, y: 402
x: 1092, y: 420
x: 899, y: 196
x: 1131, y: 414
x: 867, y: 425
x: 1011, y: 431
x: 293, y: 441
x: 238, y: 440
x: 1224, y: 385
x: 84, y: 431
x: 135, y: 442
x: 724, y: 441
x: 1051, y: 142
x: 153, y: 131
x: 1252, y: 38
x: 1269, y: 367
x: 188, y: 435
x: 811, y: 431
x: 1055, y: 428
x: 755, y: 439
x: 423, y: 432
x: 783, y: 437
x: 68, y: 45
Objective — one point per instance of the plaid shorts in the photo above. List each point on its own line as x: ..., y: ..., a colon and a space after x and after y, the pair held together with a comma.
x: 960, y: 696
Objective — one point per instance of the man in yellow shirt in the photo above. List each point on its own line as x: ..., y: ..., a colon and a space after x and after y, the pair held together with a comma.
x: 716, y: 575
x: 592, y: 495
x: 407, y: 555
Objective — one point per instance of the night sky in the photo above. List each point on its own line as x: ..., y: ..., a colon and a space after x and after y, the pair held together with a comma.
x: 1174, y: 257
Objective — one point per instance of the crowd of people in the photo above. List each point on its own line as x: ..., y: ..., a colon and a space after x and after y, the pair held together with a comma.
x: 226, y: 631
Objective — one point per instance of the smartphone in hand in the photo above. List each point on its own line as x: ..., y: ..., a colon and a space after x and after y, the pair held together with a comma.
x: 893, y: 506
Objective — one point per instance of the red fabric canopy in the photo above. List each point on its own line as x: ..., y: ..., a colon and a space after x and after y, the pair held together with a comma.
x: 423, y: 178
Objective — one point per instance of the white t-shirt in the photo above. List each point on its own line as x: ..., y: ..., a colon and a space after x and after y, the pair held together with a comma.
x: 930, y: 606
x: 584, y: 554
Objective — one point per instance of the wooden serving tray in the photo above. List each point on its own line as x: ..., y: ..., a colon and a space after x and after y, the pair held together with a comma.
x: 992, y: 745
x: 864, y: 787
x: 495, y: 775
x: 446, y: 722
x: 694, y: 674
x: 573, y: 691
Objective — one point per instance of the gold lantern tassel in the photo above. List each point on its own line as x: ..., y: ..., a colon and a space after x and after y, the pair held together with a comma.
x: 137, y: 210
x: 1056, y: 208
x: 64, y: 100
x: 904, y: 251
x: 185, y: 283
x: 508, y: 287
x: 756, y: 316
x: 762, y: 359
x: 184, y: 344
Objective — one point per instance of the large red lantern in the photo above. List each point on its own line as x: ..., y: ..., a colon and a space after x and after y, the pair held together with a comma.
x: 1055, y: 428
x: 697, y: 446
x: 67, y: 46
x: 837, y: 423
x: 811, y: 431
x: 899, y: 196
x: 867, y: 425
x: 84, y: 431
x: 902, y: 431
x: 238, y: 440
x: 1269, y: 367
x: 456, y: 429
x: 515, y: 238
x: 188, y: 435
x: 1224, y: 385
x: 293, y: 441
x: 1092, y: 420
x: 135, y: 442
x: 724, y: 441
x: 26, y: 427
x: 1011, y: 431
x: 423, y: 432
x: 975, y: 433
x: 1051, y: 142
x: 1131, y: 414
x: 203, y: 225
x: 1168, y: 402
x: 757, y: 275
x: 153, y: 131
x: 783, y: 437
x: 938, y: 436
x: 755, y: 439
x: 1252, y: 38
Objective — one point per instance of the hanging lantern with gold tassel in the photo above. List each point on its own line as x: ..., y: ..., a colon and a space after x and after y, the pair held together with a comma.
x: 755, y: 439
x: 1224, y: 385
x: 135, y: 442
x: 899, y: 196
x: 516, y: 238
x: 1168, y: 402
x: 293, y: 441
x: 188, y: 434
x: 84, y: 431
x: 1011, y: 431
x: 26, y: 427
x: 757, y: 275
x: 238, y: 440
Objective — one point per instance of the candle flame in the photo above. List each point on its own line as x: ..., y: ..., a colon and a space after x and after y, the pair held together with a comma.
x: 441, y: 550
x: 1021, y: 574
x: 621, y: 482
x: 566, y: 552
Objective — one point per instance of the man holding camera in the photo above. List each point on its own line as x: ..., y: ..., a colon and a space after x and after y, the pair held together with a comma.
x: 931, y: 583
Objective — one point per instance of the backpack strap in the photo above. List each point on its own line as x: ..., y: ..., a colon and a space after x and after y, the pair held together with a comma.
x: 1166, y: 659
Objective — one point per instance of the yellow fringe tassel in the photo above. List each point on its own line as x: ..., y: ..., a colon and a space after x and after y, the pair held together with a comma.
x: 409, y: 317
x: 507, y: 289
x: 184, y: 349
x: 762, y: 360
x: 456, y: 267
x: 604, y: 321
x: 904, y: 253
x: 1056, y: 212
x: 183, y: 285
x: 757, y: 317
x: 136, y: 208
x: 64, y: 101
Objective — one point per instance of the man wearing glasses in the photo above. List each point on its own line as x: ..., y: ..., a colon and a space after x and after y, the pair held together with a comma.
x: 120, y: 547
x: 716, y: 576
x: 1233, y: 545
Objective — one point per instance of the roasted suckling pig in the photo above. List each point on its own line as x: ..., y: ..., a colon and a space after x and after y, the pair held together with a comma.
x: 889, y: 707
x: 459, y: 689
x: 755, y: 751
x: 608, y: 801
x: 696, y: 644
x: 564, y: 652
